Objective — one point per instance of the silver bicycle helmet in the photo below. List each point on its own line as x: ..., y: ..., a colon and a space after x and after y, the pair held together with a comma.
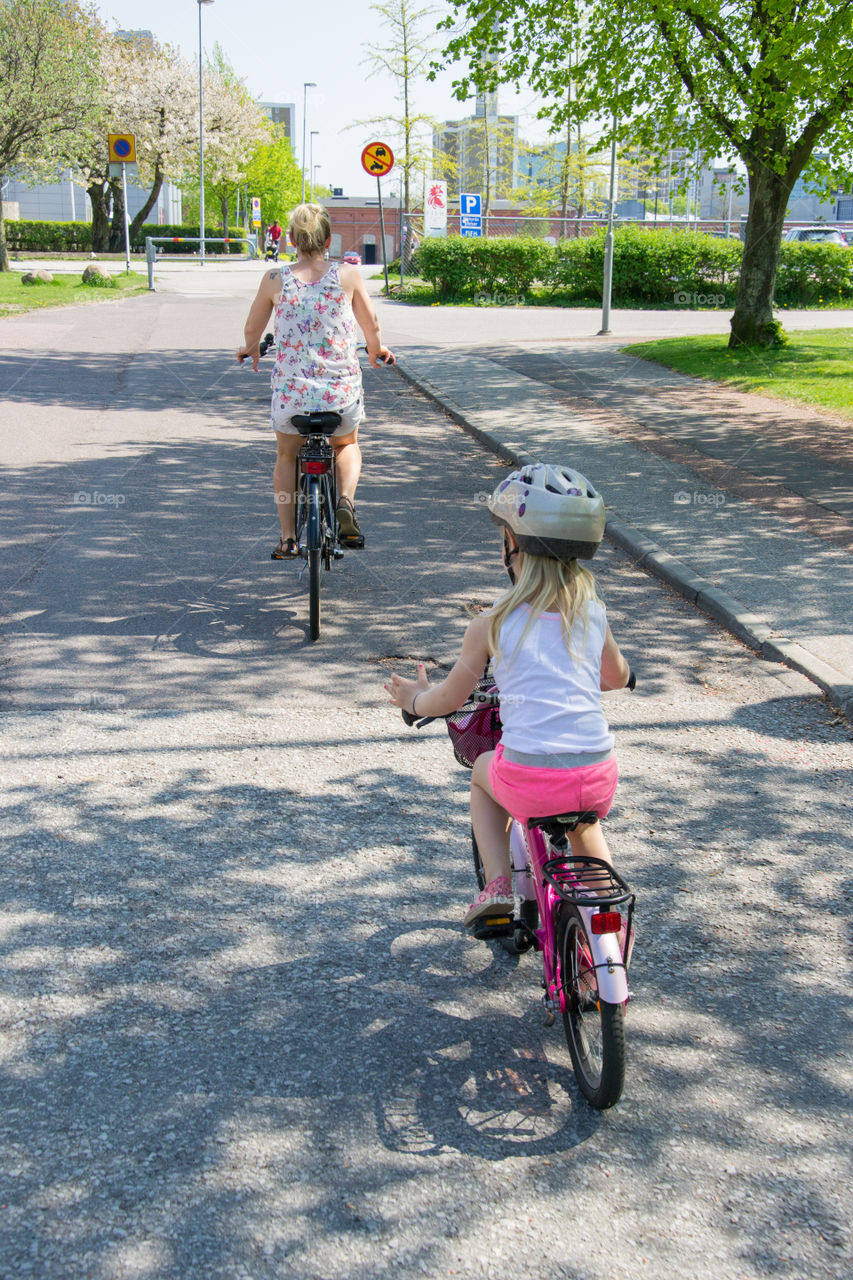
x: 552, y: 511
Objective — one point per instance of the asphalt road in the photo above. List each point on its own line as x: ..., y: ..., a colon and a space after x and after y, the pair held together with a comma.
x: 243, y: 1033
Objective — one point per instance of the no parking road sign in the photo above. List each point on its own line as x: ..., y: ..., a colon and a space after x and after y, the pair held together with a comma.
x: 122, y: 148
x: 377, y: 159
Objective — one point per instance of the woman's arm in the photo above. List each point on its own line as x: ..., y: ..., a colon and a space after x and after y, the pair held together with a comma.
x: 258, y: 317
x: 615, y: 671
x: 441, y: 699
x: 352, y: 284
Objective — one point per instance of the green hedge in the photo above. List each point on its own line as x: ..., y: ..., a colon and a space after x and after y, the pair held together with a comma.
x: 24, y: 236
x: 655, y: 267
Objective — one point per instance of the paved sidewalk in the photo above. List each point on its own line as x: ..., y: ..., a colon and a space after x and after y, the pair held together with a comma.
x: 742, y: 504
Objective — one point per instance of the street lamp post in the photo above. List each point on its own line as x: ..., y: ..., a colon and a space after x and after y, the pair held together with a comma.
x: 315, y: 133
x: 201, y: 138
x: 608, y: 240
x: 308, y: 84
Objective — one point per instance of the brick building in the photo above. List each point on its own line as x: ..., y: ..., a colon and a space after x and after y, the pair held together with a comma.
x: 355, y: 225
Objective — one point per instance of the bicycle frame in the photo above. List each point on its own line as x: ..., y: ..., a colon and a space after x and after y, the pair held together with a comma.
x: 530, y: 853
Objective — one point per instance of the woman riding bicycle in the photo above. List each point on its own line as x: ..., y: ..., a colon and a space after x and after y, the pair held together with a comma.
x: 552, y: 654
x: 316, y: 366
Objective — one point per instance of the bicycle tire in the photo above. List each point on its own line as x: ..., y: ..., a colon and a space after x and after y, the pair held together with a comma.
x: 315, y: 551
x: 595, y: 1028
x: 528, y: 911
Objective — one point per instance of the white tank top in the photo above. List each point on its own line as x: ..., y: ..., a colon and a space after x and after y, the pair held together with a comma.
x: 551, y: 700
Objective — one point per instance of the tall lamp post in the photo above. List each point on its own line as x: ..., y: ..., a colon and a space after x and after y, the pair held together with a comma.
x: 201, y: 138
x: 315, y: 133
x: 308, y: 84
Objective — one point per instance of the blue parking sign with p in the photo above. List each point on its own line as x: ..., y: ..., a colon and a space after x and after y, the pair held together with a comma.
x: 470, y: 214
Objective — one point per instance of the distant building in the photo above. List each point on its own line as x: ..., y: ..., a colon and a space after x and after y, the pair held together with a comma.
x: 479, y: 152
x: 282, y: 115
x: 145, y: 39
x: 65, y: 201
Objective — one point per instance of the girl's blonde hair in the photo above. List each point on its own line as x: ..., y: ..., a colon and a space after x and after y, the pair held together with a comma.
x: 547, y: 586
x: 309, y: 228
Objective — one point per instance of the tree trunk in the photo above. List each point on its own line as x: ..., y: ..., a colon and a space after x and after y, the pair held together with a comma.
x: 223, y: 209
x: 153, y: 195
x: 98, y: 194
x: 752, y: 323
x: 4, y: 253
x: 117, y: 222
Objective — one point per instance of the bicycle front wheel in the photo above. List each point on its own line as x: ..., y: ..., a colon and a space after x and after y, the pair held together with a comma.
x: 595, y: 1028
x: 315, y: 551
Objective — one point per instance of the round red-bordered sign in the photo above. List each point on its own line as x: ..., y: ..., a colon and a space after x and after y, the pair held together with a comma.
x: 377, y: 159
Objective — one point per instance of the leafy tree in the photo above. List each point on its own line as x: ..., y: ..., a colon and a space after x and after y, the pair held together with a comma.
x: 148, y: 90
x: 767, y: 80
x: 271, y: 173
x: 406, y: 58
x: 48, y: 75
x: 235, y: 126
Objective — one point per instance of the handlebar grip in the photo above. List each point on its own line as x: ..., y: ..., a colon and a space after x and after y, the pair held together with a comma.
x: 632, y: 681
x: 408, y: 718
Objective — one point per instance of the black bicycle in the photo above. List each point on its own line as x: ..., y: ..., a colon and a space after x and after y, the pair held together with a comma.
x: 318, y: 539
x: 317, y: 536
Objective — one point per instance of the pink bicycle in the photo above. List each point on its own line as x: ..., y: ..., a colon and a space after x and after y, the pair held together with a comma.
x: 576, y: 911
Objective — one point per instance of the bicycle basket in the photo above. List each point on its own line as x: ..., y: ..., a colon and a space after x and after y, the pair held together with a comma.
x: 474, y: 728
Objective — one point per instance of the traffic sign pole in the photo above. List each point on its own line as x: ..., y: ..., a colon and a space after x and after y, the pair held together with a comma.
x: 378, y: 158
x: 382, y: 236
x: 126, y: 221
x: 122, y: 150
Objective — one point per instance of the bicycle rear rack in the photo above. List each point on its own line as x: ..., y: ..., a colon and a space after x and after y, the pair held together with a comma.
x: 586, y: 882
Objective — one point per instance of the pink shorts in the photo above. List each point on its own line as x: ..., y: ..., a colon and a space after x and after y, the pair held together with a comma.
x: 529, y: 792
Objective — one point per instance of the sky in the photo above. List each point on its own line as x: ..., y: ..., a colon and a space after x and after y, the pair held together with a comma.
x: 275, y: 53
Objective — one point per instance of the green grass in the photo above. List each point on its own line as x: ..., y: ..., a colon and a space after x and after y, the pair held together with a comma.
x: 816, y: 368
x: 65, y: 290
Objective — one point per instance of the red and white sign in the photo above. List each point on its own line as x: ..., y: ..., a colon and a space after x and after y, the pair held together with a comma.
x: 435, y: 214
x: 377, y: 159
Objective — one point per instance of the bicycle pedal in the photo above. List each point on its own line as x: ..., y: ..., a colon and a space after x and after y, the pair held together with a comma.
x: 337, y: 554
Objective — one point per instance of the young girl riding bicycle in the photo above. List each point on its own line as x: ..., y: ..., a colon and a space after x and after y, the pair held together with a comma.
x: 552, y: 654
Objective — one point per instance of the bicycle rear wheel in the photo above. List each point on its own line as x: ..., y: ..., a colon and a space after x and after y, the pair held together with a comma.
x: 315, y: 551
x: 595, y: 1028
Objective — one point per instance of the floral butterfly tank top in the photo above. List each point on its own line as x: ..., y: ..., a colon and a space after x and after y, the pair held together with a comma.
x: 316, y: 365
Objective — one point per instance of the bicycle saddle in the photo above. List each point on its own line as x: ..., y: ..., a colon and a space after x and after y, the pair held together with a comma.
x: 556, y: 825
x: 309, y: 424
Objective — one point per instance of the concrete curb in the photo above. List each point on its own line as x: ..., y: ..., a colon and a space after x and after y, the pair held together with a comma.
x: 734, y: 616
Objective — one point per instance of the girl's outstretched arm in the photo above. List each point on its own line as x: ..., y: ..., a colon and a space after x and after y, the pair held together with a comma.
x: 615, y: 671
x: 441, y: 699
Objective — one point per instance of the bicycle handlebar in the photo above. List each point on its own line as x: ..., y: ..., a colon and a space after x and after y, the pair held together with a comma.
x: 489, y: 700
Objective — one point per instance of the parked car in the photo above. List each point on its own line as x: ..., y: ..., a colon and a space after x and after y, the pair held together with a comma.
x: 353, y: 258
x: 823, y: 235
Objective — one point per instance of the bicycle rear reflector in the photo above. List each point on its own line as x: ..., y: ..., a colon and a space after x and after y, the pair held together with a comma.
x: 313, y: 467
x: 605, y: 922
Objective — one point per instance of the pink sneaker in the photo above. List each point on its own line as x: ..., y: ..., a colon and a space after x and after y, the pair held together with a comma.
x: 496, y: 899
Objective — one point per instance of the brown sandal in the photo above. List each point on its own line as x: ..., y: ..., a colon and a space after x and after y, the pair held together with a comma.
x: 285, y: 550
x: 351, y: 535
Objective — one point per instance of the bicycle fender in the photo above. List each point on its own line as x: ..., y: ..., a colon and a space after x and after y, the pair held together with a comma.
x: 609, y: 966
